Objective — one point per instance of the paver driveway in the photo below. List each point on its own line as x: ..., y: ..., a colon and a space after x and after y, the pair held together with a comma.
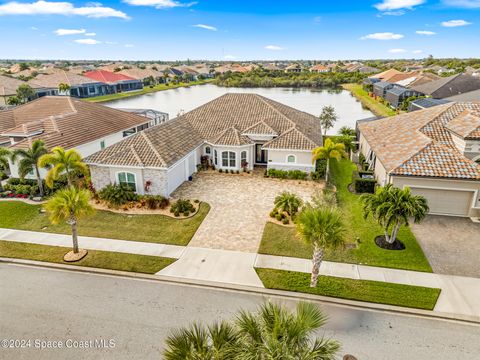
x: 240, y: 205
x: 451, y: 244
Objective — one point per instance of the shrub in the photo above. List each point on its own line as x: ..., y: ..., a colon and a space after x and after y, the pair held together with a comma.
x: 285, y: 221
x: 273, y: 213
x: 288, y: 202
x: 196, y: 201
x: 365, y: 185
x: 291, y: 174
x: 117, y: 194
x: 182, y: 206
x: 238, y: 172
x: 151, y: 202
x: 279, y: 217
x: 176, y: 213
x: 320, y: 169
x: 186, y: 213
x: 155, y: 202
x: 220, y: 170
x: 361, y: 159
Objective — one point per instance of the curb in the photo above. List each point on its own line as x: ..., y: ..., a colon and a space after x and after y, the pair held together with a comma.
x: 250, y: 290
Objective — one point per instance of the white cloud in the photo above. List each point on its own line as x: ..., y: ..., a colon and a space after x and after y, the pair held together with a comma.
x: 33, y: 28
x: 382, y: 36
x: 111, y: 42
x: 317, y: 19
x: 87, y: 41
x: 229, y: 57
x: 159, y: 4
x: 467, y: 4
x: 397, y: 4
x: 274, y: 47
x: 455, y: 23
x: 90, y: 34
x: 425, y: 32
x: 206, y: 27
x: 392, y: 13
x: 59, y: 8
x: 129, y: 45
x: 63, y: 32
x: 397, y: 51
x: 417, y: 51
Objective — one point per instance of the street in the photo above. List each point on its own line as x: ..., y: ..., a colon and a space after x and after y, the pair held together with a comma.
x: 89, y: 316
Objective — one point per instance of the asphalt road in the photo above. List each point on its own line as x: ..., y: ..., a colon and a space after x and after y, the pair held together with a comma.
x: 135, y: 316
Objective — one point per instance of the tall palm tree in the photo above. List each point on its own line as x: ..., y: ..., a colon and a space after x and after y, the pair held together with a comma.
x: 29, y: 161
x: 4, y: 155
x: 288, y: 202
x: 327, y: 118
x: 329, y: 150
x: 61, y: 161
x: 393, y: 207
x: 324, y: 229
x: 69, y: 205
x: 271, y: 333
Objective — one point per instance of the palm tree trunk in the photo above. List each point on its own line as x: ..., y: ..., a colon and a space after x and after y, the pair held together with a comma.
x: 73, y: 224
x: 317, y: 261
x: 69, y: 181
x: 387, y: 236
x: 395, y: 230
x: 327, y: 171
x: 39, y: 181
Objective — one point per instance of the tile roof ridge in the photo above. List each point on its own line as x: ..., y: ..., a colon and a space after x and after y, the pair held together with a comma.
x: 256, y: 124
x: 263, y: 99
x: 71, y: 104
x: 157, y: 154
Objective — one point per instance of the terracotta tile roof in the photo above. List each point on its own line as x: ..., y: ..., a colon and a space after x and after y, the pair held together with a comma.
x: 9, y: 85
x: 58, y: 77
x: 291, y: 139
x: 420, y: 144
x: 386, y: 75
x: 232, y: 137
x: 260, y: 128
x: 466, y: 125
x: 107, y: 77
x: 158, y: 147
x: 141, y: 74
x: 65, y: 121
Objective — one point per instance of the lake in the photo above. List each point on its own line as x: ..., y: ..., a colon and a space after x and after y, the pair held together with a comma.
x: 347, y: 107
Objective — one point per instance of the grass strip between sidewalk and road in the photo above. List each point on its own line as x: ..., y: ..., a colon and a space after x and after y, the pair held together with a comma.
x: 372, y: 104
x: 417, y: 297
x: 146, y: 90
x: 97, y: 259
x: 158, y: 229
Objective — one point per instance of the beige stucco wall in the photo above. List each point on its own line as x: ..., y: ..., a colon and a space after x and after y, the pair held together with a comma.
x: 277, y: 159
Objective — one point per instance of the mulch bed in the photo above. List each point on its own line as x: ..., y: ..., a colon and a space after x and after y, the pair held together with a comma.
x: 396, y: 245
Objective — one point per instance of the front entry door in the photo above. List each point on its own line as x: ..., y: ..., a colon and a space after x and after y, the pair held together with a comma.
x: 260, y: 155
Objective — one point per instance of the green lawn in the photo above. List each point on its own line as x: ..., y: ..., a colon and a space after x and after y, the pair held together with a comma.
x: 283, y: 241
x: 97, y: 259
x: 373, y: 105
x: 146, y: 90
x: 148, y: 228
x: 361, y: 290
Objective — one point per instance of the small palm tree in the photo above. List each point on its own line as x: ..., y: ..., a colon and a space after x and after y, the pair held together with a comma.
x: 271, y: 333
x: 347, y: 131
x: 324, y: 229
x: 64, y: 88
x: 329, y: 150
x: 61, y: 161
x: 327, y: 118
x: 392, y: 207
x: 69, y: 205
x: 29, y: 161
x: 288, y: 202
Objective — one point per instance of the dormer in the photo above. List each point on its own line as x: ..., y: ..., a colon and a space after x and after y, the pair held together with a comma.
x: 465, y: 132
x: 260, y: 132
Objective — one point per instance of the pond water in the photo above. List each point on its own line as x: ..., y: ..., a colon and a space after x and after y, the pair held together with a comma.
x: 347, y: 107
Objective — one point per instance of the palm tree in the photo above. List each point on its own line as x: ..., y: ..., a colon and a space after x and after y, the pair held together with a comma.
x: 4, y: 155
x: 347, y: 131
x: 324, y: 229
x: 69, y: 205
x: 288, y: 202
x: 68, y: 162
x: 327, y: 118
x: 29, y: 161
x: 329, y: 150
x: 393, y: 207
x: 271, y: 333
x: 64, y: 88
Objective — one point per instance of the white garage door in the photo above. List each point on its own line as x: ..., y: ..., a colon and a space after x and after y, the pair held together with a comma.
x: 448, y: 202
x: 176, y: 176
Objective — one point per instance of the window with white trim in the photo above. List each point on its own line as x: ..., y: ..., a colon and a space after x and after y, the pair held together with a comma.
x: 243, y: 157
x: 228, y: 159
x: 208, y: 151
x: 215, y: 157
x: 126, y: 178
x: 232, y: 157
x: 291, y: 159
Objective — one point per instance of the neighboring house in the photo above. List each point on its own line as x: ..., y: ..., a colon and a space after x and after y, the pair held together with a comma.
x: 319, y: 68
x: 8, y: 88
x: 367, y: 69
x: 156, y: 117
x: 380, y: 88
x: 271, y: 67
x: 232, y: 132
x: 80, y: 86
x: 66, y: 122
x: 434, y: 151
x: 425, y: 103
x: 294, y: 68
x: 423, y: 78
x: 449, y: 86
x: 398, y: 94
x: 468, y: 96
x: 117, y: 82
x: 143, y: 74
x: 386, y: 75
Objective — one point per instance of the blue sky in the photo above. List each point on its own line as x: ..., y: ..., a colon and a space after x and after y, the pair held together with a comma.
x: 239, y: 30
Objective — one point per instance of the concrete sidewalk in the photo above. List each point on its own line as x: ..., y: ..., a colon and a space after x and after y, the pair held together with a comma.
x: 460, y: 295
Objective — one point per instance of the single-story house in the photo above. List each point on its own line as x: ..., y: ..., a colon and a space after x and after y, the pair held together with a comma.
x: 319, y: 68
x: 67, y: 122
x: 145, y: 75
x: 386, y: 75
x: 118, y: 82
x: 8, y: 88
x: 294, y: 68
x: 449, y: 86
x: 380, y: 88
x: 468, y: 96
x: 398, y: 94
x: 232, y: 132
x: 435, y: 152
x: 425, y: 103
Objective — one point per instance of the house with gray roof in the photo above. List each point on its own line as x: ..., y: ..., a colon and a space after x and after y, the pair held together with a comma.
x: 398, y: 94
x: 232, y: 132
x: 380, y: 88
x: 435, y: 152
x: 449, y: 86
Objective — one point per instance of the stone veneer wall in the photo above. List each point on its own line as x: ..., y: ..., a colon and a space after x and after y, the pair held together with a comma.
x: 159, y: 181
x: 100, y: 176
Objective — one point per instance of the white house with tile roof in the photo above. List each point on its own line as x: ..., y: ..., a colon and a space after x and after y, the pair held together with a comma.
x: 435, y: 152
x: 232, y: 132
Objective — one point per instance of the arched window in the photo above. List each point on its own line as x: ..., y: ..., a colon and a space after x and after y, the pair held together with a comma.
x: 291, y: 159
x: 128, y: 179
x: 208, y: 151
x: 215, y: 157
